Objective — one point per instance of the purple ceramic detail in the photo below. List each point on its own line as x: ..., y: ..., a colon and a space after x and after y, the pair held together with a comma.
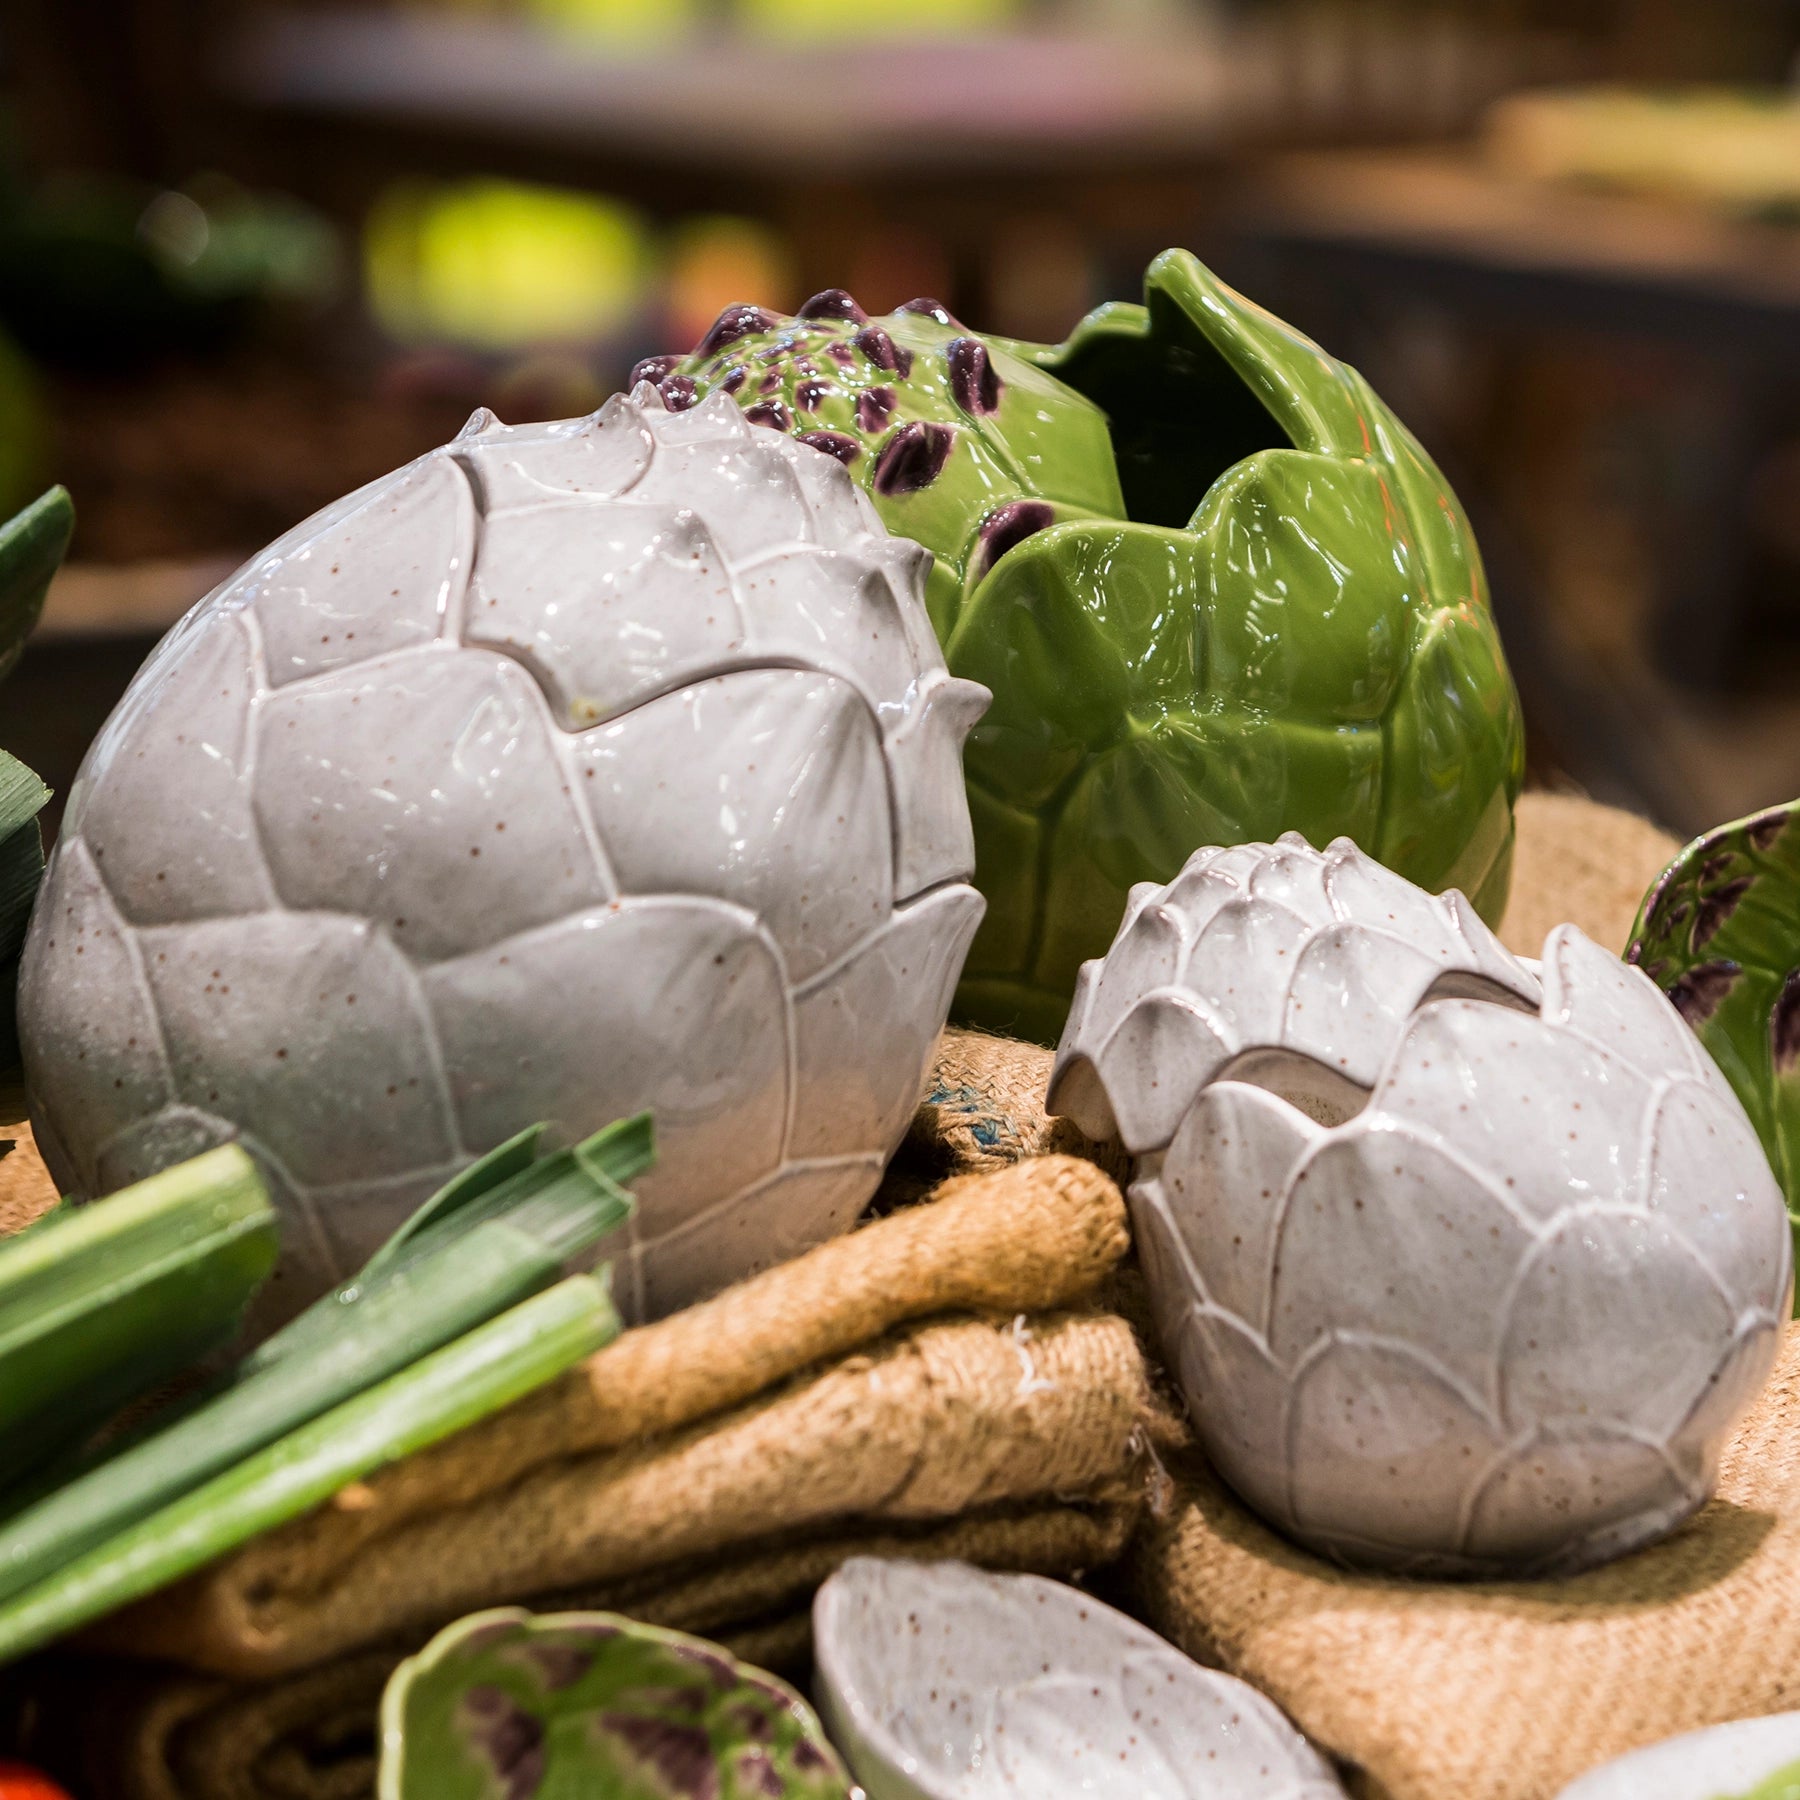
x: 931, y: 309
x: 734, y: 379
x: 834, y: 443
x: 562, y: 1665
x: 681, y: 1754
x: 678, y: 392
x: 1716, y: 864
x: 840, y: 353
x: 1010, y: 525
x: 652, y: 369
x: 1717, y: 907
x: 1698, y: 994
x: 913, y: 457
x: 1764, y: 831
x: 753, y: 1722
x: 809, y: 396
x: 807, y: 1755
x: 733, y: 323
x: 509, y: 1737
x: 770, y: 383
x: 723, y: 1673
x: 882, y: 351
x: 834, y: 303
x: 1784, y: 1024
x: 975, y: 383
x: 759, y: 1775
x: 873, y: 408
x: 771, y: 413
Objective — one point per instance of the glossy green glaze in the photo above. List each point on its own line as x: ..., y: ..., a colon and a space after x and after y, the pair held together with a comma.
x: 1719, y: 933
x: 507, y: 1706
x: 1217, y: 589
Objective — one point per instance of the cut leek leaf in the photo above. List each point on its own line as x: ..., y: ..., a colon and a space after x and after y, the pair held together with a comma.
x: 468, y: 1269
x: 32, y: 545
x: 465, y: 1381
x: 564, y: 1203
x: 104, y: 1302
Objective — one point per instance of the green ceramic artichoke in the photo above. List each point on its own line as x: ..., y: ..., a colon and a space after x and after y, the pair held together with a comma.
x: 1719, y: 933
x: 507, y: 1706
x: 1218, y: 590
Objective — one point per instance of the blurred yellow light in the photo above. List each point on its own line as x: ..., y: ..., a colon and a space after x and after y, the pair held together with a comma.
x: 816, y: 19
x: 714, y: 263
x: 619, y: 21
x: 499, y: 265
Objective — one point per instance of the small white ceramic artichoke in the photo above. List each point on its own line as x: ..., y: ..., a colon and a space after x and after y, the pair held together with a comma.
x: 572, y: 769
x: 939, y: 1681
x: 1464, y: 1268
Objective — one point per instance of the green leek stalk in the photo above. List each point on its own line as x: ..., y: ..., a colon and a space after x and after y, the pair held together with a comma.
x: 502, y: 1236
x: 101, y: 1303
x: 479, y: 1373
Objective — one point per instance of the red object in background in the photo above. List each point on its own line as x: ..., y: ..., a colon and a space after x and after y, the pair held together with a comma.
x: 20, y: 1783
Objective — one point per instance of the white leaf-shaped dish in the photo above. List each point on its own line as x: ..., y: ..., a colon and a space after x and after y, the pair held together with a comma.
x: 938, y: 1681
x: 1724, y: 1762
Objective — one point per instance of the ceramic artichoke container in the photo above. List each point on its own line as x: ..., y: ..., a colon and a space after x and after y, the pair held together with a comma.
x: 573, y: 769
x: 1465, y: 1266
x: 1216, y: 587
x: 942, y: 1682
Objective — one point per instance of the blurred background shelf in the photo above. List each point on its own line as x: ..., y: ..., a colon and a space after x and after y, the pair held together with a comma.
x: 1562, y: 238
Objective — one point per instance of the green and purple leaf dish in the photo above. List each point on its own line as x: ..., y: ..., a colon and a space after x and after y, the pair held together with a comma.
x: 508, y: 1705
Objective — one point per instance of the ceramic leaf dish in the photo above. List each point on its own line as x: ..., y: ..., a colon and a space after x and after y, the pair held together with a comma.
x: 1463, y: 1269
x: 942, y: 1682
x: 1750, y: 1759
x: 505, y: 1705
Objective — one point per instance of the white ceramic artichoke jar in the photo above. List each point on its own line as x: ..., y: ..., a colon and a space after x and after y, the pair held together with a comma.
x: 938, y: 1681
x: 1465, y: 1266
x: 572, y: 769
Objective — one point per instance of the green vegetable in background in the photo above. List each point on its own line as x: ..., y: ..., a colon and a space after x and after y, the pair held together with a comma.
x: 477, y: 1374
x: 1719, y: 933
x: 501, y: 1232
x: 1216, y: 587
x: 103, y: 1303
x: 506, y: 1706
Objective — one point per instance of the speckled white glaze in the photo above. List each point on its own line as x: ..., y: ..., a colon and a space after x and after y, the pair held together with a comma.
x: 938, y: 1681
x: 1317, y: 957
x: 1723, y: 1762
x: 1494, y: 1312
x: 572, y: 769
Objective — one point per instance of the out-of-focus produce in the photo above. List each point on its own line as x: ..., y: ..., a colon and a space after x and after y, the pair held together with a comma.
x: 942, y: 1682
x: 1216, y: 587
x: 571, y: 770
x: 1405, y: 1207
x: 506, y: 1705
x: 1719, y: 932
x: 1724, y: 147
x: 503, y: 265
x: 102, y: 274
x: 101, y: 1304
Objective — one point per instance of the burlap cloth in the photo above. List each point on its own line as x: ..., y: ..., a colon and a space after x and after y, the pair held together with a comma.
x: 957, y: 1378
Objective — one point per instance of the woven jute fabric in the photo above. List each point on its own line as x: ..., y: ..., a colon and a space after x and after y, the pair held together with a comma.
x: 1504, y: 1690
x: 917, y: 1369
x: 1583, y: 863
x: 119, y: 1731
